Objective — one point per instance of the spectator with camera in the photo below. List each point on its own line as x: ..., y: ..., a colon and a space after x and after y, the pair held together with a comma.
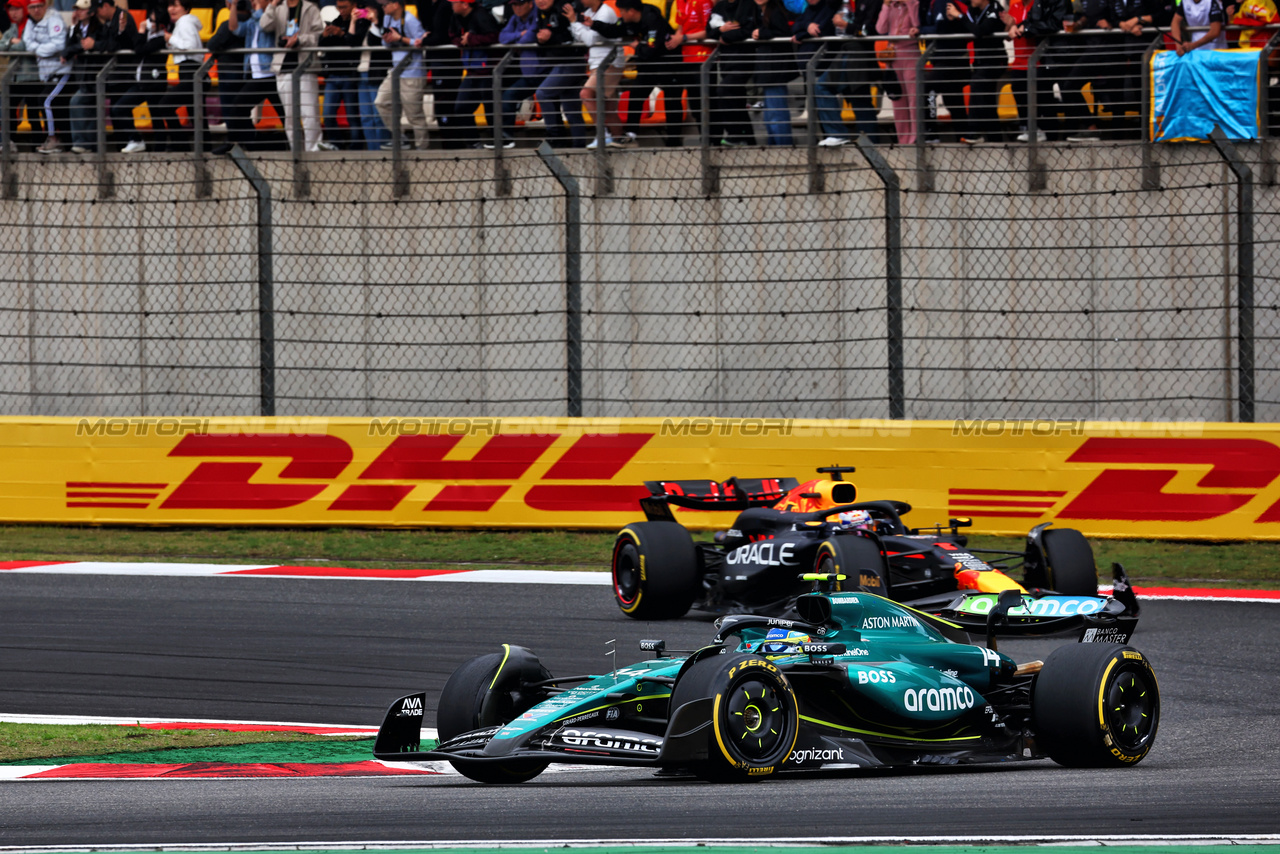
x: 146, y: 76
x: 472, y: 29
x: 403, y: 33
x: 731, y: 24
x: 296, y: 24
x: 341, y: 77
x: 601, y: 81
x: 257, y: 80
x: 184, y: 35
x: 558, y: 92
x: 850, y: 75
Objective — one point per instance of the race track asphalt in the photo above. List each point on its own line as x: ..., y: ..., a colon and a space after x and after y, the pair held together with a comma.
x: 328, y: 651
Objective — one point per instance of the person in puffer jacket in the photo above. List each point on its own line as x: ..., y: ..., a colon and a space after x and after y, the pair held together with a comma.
x: 46, y: 37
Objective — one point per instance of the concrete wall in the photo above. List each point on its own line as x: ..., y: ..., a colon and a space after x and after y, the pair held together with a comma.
x: 1094, y: 298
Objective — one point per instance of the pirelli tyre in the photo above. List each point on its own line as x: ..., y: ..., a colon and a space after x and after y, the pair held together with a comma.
x: 1096, y: 706
x: 484, y: 692
x: 655, y: 570
x: 1071, y: 568
x: 755, y: 718
x: 858, y: 559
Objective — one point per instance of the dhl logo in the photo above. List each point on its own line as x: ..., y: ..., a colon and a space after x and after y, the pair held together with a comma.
x: 222, y: 480
x: 1123, y: 479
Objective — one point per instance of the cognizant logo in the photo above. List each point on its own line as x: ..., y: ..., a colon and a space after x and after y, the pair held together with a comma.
x: 813, y: 754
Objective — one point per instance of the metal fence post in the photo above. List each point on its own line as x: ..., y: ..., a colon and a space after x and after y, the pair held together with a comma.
x: 710, y: 172
x: 501, y: 177
x: 924, y: 183
x: 1036, y: 177
x: 604, y: 163
x: 1244, y: 271
x: 266, y: 286
x: 106, y: 178
x: 1264, y: 108
x: 301, y: 175
x: 817, y: 178
x: 399, y: 175
x: 1150, y: 168
x: 8, y: 175
x: 572, y: 278
x: 893, y: 273
x: 204, y: 183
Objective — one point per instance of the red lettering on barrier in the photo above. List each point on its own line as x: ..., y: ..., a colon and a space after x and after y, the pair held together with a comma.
x: 226, y: 486
x: 578, y: 499
x: 476, y: 499
x: 1138, y: 494
x: 371, y: 496
x: 597, y: 457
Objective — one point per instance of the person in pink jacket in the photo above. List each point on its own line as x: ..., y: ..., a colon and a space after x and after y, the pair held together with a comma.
x: 902, y: 18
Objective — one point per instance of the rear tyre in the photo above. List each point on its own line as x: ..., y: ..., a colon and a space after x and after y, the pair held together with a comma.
x: 1071, y: 568
x: 655, y: 570
x: 1096, y: 706
x: 470, y: 700
x: 856, y: 558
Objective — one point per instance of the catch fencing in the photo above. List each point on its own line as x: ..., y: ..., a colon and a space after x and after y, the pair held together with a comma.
x: 1119, y: 282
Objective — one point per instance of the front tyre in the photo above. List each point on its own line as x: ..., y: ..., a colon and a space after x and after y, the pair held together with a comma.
x: 1096, y: 706
x: 1072, y: 571
x: 858, y: 559
x: 655, y: 570
x: 475, y: 698
x: 755, y: 718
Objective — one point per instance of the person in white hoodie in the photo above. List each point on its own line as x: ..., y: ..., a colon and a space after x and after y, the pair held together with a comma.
x: 598, y: 10
x: 46, y: 37
x: 185, y: 36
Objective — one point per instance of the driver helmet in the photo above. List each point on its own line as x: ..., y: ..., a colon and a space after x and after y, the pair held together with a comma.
x: 855, y: 519
x: 782, y: 641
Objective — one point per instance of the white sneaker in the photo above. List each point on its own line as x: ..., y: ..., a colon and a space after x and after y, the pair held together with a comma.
x: 1085, y: 136
x: 833, y: 141
x: 325, y: 145
x: 608, y: 142
x: 134, y: 146
x: 1041, y: 136
x: 79, y: 149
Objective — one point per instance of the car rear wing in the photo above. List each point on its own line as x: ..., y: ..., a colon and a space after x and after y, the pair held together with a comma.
x: 734, y: 494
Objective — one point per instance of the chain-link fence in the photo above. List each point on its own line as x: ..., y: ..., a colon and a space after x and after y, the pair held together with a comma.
x: 788, y: 282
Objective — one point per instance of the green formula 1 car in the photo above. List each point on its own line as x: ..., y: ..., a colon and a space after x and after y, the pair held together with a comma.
x: 859, y: 681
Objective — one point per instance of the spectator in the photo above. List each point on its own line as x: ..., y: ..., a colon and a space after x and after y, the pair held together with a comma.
x: 184, y: 36
x: 80, y: 41
x: 403, y: 33
x: 1088, y: 60
x: 817, y: 20
x: 1198, y: 13
x: 295, y: 24
x: 147, y: 77
x: 775, y: 67
x: 1138, y: 21
x: 902, y: 18
x: 258, y: 79
x: 558, y: 92
x: 231, y: 66
x: 851, y: 75
x: 950, y: 65
x: 343, y: 31
x: 609, y: 77
x: 46, y: 37
x: 472, y: 29
x: 375, y: 64
x: 989, y: 65
x: 1041, y: 19
x: 691, y: 18
x: 731, y: 23
x: 521, y: 29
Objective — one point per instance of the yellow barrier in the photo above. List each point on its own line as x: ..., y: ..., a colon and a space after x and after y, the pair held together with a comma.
x: 1176, y: 480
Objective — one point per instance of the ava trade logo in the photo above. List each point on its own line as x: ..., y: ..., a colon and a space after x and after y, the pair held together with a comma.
x: 222, y: 478
x: 1136, y: 492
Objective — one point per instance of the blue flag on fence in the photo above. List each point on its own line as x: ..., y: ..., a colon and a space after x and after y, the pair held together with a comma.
x: 1192, y: 93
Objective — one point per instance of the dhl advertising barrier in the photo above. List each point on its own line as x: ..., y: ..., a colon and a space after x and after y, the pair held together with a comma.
x: 1176, y: 480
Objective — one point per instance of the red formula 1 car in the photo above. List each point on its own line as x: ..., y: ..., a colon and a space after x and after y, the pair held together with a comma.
x: 792, y: 538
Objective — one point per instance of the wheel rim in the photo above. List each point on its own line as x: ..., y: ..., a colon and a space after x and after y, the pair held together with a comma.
x: 756, y: 721
x: 626, y: 573
x: 1130, y: 709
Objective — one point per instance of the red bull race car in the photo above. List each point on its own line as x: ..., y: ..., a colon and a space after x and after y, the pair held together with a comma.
x: 792, y: 538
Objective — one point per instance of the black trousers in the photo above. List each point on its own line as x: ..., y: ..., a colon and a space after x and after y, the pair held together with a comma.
x: 237, y: 112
